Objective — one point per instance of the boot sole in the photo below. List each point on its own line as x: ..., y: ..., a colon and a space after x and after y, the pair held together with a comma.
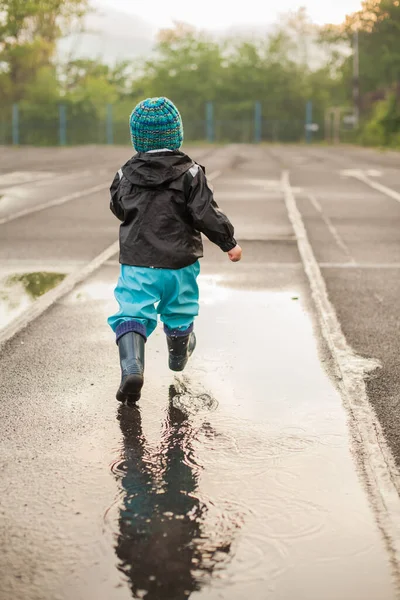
x: 130, y: 390
x: 177, y: 366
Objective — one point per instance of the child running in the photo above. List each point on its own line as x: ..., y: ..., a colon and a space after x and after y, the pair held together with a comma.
x: 164, y: 202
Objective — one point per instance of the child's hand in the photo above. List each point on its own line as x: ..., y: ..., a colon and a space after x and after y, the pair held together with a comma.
x: 235, y: 254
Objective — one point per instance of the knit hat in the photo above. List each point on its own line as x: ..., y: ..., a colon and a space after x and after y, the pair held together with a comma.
x: 156, y: 124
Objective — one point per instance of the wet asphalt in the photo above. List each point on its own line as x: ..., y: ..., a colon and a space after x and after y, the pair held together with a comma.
x: 237, y: 478
x: 362, y: 261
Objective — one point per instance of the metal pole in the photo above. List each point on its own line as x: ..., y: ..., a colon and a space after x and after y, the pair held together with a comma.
x: 210, y: 121
x: 309, y: 108
x: 62, y: 134
x: 110, y: 125
x: 15, y: 124
x: 257, y: 122
x: 275, y: 130
x: 328, y: 126
x: 337, y: 126
x: 356, y: 78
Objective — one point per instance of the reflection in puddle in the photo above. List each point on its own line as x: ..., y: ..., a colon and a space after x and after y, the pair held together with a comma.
x: 170, y: 540
x: 19, y: 290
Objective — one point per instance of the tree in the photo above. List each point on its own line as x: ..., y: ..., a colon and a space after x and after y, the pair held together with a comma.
x: 29, y: 30
x: 378, y: 24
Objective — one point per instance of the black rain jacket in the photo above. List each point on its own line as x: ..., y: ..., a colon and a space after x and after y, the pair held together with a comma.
x: 164, y: 202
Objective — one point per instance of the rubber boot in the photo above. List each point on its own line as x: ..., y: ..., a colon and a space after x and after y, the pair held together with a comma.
x: 131, y: 355
x: 180, y: 349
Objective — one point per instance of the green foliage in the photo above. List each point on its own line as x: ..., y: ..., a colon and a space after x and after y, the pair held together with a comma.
x: 193, y: 68
x: 29, y: 30
x: 378, y: 26
x: 295, y: 62
x: 383, y: 128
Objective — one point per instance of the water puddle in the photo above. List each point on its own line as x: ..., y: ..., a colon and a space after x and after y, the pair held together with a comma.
x: 19, y: 290
x: 238, y: 480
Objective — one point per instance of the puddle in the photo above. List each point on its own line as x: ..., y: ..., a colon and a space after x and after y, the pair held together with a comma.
x: 19, y: 290
x: 245, y: 485
x: 233, y: 480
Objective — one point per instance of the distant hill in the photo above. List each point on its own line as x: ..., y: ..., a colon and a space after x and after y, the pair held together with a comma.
x: 113, y: 35
x: 110, y: 36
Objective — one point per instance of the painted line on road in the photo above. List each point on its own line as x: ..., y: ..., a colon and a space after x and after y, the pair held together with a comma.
x: 13, y: 178
x: 39, y: 207
x: 334, y: 232
x: 69, y: 283
x: 375, y: 185
x: 374, y: 456
x: 74, y: 196
x: 49, y: 180
x: 356, y: 265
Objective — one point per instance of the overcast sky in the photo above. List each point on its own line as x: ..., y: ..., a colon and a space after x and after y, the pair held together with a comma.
x: 217, y: 14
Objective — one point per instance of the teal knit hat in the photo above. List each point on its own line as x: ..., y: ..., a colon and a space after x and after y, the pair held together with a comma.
x: 156, y: 124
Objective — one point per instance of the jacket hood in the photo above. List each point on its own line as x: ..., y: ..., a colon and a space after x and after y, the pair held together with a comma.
x: 151, y: 169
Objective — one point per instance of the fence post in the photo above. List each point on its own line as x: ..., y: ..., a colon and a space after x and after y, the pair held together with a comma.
x: 62, y: 134
x: 257, y: 122
x: 309, y: 110
x: 275, y: 136
x: 109, y: 125
x: 210, y: 122
x: 15, y: 124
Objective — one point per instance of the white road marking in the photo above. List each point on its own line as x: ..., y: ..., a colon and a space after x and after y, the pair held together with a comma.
x: 334, y: 232
x: 39, y: 207
x: 374, y: 184
x: 18, y: 177
x: 372, y: 452
x: 351, y: 172
x: 10, y: 186
x: 273, y: 184
x: 356, y: 265
x: 361, y: 173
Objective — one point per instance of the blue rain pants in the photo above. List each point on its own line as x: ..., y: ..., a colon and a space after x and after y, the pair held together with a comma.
x: 144, y: 293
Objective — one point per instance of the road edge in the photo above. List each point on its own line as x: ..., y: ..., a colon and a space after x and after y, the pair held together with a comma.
x: 373, y: 455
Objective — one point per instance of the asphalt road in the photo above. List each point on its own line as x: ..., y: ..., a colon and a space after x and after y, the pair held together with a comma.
x: 355, y: 230
x: 245, y: 476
